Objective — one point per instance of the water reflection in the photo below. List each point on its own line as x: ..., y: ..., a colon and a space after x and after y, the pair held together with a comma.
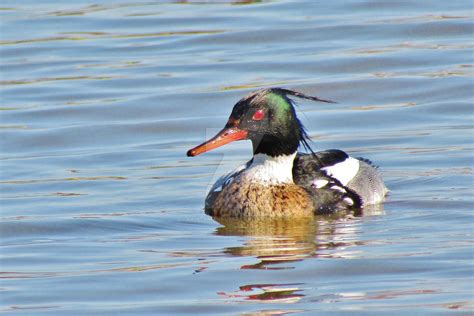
x: 273, y: 241
x: 287, y: 240
x: 276, y: 293
x: 278, y: 244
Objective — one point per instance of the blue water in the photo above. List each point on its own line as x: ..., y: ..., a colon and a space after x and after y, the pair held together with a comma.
x: 102, y: 212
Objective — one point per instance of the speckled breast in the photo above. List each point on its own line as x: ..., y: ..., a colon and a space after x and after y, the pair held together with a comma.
x: 254, y: 200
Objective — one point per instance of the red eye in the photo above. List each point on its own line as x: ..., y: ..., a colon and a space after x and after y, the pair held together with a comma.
x: 258, y: 116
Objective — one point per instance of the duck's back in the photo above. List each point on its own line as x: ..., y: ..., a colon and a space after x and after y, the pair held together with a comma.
x: 335, y: 170
x: 368, y: 183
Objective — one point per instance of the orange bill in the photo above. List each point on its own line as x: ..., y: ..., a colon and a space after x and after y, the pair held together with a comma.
x: 227, y: 135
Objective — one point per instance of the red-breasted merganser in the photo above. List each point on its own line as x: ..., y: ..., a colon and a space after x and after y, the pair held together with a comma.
x: 279, y: 181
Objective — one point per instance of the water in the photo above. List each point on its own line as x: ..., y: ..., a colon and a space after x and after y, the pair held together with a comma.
x: 102, y: 213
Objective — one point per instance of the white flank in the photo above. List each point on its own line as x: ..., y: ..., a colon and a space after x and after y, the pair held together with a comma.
x: 270, y: 170
x: 344, y: 171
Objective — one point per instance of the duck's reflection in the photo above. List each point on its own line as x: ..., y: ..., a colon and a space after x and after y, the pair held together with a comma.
x: 280, y: 243
x: 277, y: 243
x: 280, y: 293
x: 272, y: 241
x: 285, y: 240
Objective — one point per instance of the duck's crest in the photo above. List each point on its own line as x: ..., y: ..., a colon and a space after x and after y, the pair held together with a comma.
x: 304, y: 137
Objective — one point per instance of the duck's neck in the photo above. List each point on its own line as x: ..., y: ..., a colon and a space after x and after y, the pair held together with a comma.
x: 268, y: 170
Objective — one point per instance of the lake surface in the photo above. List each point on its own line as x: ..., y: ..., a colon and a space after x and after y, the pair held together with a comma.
x: 102, y: 212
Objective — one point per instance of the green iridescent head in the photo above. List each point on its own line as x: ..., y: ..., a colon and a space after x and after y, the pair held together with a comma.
x: 267, y: 117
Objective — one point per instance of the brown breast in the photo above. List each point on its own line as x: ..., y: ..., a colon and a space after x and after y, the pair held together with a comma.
x: 247, y: 200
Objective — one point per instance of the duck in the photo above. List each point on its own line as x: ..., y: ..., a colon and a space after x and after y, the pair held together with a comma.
x: 279, y: 181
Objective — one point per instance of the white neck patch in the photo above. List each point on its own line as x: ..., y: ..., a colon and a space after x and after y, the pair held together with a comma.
x: 270, y: 170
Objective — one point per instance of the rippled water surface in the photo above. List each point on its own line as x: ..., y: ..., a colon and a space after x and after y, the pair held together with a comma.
x: 102, y: 212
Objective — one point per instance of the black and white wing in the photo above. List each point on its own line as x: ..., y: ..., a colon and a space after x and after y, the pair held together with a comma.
x: 338, y: 181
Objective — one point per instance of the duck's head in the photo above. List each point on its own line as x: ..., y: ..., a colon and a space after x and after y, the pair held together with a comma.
x: 267, y: 117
